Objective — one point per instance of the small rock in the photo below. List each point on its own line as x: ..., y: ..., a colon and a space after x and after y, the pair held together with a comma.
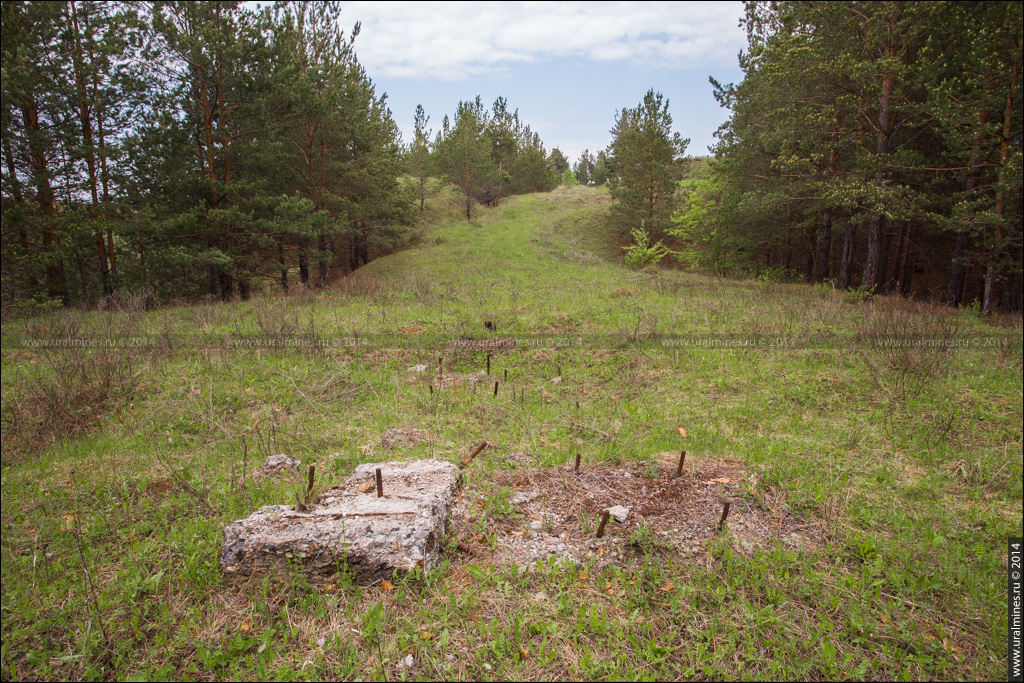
x: 420, y: 369
x: 619, y: 512
x: 408, y: 661
x: 536, y: 526
x: 557, y: 380
x: 281, y: 463
x: 522, y: 497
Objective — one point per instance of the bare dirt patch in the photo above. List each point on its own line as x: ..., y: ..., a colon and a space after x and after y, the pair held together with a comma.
x: 555, y: 513
x: 409, y: 436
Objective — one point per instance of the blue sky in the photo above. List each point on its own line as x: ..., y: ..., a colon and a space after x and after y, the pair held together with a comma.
x: 567, y: 67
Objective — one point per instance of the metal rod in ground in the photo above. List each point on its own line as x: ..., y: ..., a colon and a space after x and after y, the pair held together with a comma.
x: 431, y: 389
x: 472, y: 455
x: 506, y: 374
x: 577, y: 470
x: 312, y: 473
x: 380, y: 484
x: 488, y: 364
x: 682, y: 459
x: 725, y: 513
x: 495, y: 387
x: 604, y: 520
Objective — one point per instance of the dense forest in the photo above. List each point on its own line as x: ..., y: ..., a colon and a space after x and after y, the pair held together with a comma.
x: 877, y: 145
x: 205, y: 149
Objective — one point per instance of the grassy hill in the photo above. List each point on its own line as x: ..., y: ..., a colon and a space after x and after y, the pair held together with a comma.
x: 871, y: 487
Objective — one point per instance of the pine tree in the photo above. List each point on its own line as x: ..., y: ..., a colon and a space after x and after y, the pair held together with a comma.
x: 464, y: 155
x: 646, y: 158
x: 419, y: 154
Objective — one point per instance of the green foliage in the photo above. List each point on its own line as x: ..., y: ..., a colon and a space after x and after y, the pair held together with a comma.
x: 261, y: 148
x: 584, y: 168
x: 642, y: 253
x: 697, y: 224
x: 646, y: 155
x: 569, y: 178
x: 888, y: 125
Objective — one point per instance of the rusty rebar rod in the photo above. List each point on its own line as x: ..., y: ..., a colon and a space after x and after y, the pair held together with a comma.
x: 472, y: 455
x: 604, y: 520
x: 380, y: 484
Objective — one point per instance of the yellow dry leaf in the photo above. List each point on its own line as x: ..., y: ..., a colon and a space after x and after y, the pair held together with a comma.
x: 386, y: 585
x: 885, y: 618
x: 682, y: 432
x: 722, y: 480
x: 427, y: 635
x: 517, y: 533
x: 243, y: 627
x: 524, y: 652
x: 583, y: 575
x: 666, y: 588
x: 366, y: 487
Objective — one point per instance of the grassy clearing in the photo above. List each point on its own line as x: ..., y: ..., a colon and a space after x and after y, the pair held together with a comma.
x: 901, y: 466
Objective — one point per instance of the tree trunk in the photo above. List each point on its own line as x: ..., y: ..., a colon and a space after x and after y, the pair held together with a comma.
x: 883, y: 260
x: 19, y: 200
x: 824, y: 247
x: 846, y: 266
x: 908, y: 271
x: 322, y: 260
x: 993, y: 273
x: 870, y: 279
x: 303, y: 265
x: 958, y: 270
x: 996, y: 258
x: 226, y: 287
x: 897, y: 261
x: 284, y: 268
x: 56, y: 284
x: 1013, y: 287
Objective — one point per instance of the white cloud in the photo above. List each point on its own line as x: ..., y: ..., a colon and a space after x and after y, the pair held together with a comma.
x: 455, y: 41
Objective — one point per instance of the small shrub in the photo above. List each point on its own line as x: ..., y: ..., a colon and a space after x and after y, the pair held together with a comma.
x: 858, y: 295
x: 76, y: 385
x: 642, y: 254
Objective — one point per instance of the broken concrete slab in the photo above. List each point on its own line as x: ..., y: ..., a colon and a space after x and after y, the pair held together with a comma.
x: 409, y: 436
x: 280, y: 464
x: 372, y: 536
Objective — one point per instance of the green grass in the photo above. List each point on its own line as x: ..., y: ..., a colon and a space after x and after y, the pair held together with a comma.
x: 906, y: 465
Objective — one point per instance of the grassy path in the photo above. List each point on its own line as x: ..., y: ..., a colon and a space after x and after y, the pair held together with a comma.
x: 893, y: 475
